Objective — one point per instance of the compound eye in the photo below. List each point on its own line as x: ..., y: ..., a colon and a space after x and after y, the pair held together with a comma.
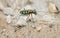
x: 21, y: 12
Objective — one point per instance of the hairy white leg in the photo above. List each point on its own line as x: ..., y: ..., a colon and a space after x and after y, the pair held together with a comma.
x: 32, y: 17
x: 27, y: 18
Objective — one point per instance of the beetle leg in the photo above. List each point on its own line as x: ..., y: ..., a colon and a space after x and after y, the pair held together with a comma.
x: 31, y: 17
x: 27, y: 18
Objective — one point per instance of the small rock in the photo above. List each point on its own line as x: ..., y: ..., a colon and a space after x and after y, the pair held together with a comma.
x: 1, y: 6
x: 38, y: 29
x: 52, y: 7
x: 8, y: 11
x: 8, y: 19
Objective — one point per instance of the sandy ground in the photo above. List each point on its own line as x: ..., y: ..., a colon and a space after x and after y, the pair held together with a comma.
x: 46, y: 25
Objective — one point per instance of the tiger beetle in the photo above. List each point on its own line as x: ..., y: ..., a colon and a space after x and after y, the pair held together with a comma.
x: 28, y: 12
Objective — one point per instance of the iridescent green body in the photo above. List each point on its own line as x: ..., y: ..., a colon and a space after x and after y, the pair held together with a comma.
x: 26, y: 12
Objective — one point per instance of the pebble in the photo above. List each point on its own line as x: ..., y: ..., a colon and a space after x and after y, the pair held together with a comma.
x: 8, y: 19
x: 38, y: 29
